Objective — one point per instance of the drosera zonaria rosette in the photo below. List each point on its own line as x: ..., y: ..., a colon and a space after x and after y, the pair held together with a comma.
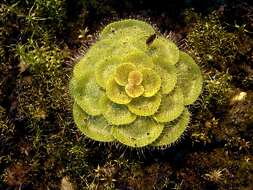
x: 132, y: 89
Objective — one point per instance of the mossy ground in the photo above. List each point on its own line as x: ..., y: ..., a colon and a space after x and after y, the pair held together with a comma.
x: 41, y: 148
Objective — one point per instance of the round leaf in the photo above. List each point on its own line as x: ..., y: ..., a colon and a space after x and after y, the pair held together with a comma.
x: 103, y: 48
x: 172, y: 105
x: 168, y: 74
x: 164, y: 51
x: 117, y: 93
x: 126, y: 25
x: 139, y: 59
x: 189, y: 78
x: 145, y: 106
x: 135, y: 77
x: 134, y: 91
x: 87, y: 93
x: 95, y: 128
x: 105, y: 69
x: 141, y: 132
x: 116, y: 114
x: 151, y: 82
x: 122, y: 72
x: 172, y: 132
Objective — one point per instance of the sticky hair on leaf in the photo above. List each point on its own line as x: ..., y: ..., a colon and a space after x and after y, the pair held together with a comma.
x: 132, y: 87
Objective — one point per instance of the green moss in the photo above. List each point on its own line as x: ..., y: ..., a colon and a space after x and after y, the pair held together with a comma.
x: 47, y: 80
x: 212, y: 45
x: 42, y: 110
x: 217, y: 89
x: 7, y: 131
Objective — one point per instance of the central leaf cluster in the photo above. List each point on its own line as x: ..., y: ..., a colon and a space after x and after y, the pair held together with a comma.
x: 136, y: 82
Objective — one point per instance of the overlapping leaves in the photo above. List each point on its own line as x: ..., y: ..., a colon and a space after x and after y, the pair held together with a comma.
x: 131, y: 91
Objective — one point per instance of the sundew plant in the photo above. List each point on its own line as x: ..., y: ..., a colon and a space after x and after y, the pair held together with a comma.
x: 133, y: 87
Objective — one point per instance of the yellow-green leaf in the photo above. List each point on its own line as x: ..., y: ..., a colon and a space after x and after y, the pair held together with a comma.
x: 116, y: 114
x: 141, y: 132
x: 116, y: 93
x: 172, y: 132
x: 95, y: 127
x: 143, y: 106
x: 151, y: 82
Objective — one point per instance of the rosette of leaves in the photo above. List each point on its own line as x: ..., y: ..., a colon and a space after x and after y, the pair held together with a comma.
x: 133, y: 85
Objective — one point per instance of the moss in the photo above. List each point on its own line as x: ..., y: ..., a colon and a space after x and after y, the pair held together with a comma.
x: 42, y: 110
x: 217, y: 89
x: 6, y: 125
x: 46, y: 78
x: 212, y: 45
x: 7, y: 134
